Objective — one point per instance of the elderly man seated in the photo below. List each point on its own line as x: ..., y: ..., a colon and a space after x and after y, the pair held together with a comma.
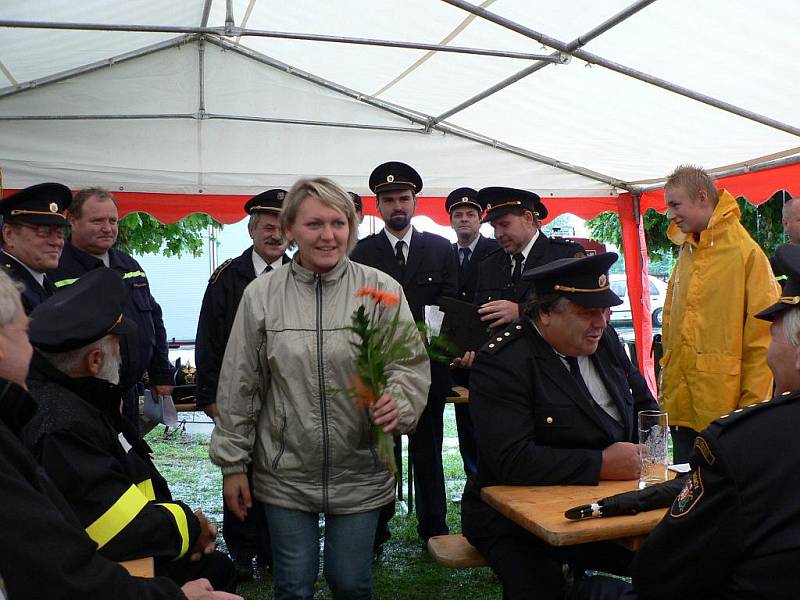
x: 100, y: 465
x: 49, y: 554
x: 554, y: 400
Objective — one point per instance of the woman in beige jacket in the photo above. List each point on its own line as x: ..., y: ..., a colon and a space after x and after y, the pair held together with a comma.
x: 312, y: 450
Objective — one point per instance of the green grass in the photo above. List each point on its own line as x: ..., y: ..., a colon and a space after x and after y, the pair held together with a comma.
x: 404, y: 572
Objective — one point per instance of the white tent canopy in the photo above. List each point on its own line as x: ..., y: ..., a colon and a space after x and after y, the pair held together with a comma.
x: 179, y: 106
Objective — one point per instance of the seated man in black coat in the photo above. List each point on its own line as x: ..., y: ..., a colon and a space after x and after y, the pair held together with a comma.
x: 554, y: 401
x: 93, y: 455
x: 51, y: 555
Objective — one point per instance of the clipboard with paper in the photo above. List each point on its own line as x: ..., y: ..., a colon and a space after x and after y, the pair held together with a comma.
x: 462, y: 327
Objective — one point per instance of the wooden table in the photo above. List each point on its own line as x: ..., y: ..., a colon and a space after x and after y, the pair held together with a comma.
x: 461, y: 397
x: 540, y: 510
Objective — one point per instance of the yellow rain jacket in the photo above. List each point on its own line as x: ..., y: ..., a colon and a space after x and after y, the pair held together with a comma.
x: 714, y: 349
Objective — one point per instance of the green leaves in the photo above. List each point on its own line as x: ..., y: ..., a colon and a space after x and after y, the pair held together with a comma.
x: 139, y: 233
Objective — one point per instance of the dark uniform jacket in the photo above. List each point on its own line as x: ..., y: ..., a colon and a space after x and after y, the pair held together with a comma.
x: 468, y: 278
x: 33, y: 294
x: 431, y: 272
x: 103, y: 469
x: 494, y: 272
x: 148, y: 349
x: 534, y: 425
x: 47, y: 553
x: 734, y: 530
x: 224, y: 291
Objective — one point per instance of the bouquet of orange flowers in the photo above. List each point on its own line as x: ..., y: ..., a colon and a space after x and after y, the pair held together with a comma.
x: 379, y: 344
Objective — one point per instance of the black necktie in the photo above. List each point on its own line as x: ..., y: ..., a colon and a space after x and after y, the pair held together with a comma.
x: 398, y: 252
x: 575, y: 370
x: 465, y: 254
x: 518, y: 259
x: 267, y: 269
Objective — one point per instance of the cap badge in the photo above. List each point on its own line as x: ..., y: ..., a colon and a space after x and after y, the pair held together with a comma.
x: 602, y: 281
x: 53, y: 207
x: 280, y: 195
x: 389, y: 178
x: 465, y: 199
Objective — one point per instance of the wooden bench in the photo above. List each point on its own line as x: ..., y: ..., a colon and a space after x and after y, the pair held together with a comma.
x: 141, y: 567
x: 454, y: 552
x: 461, y: 397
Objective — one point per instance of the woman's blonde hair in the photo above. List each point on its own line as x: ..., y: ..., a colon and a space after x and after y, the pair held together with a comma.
x: 330, y: 194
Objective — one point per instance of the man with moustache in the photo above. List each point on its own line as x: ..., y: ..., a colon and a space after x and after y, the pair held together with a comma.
x: 93, y: 217
x: 94, y: 456
x: 249, y: 539
x: 516, y: 217
x: 554, y: 399
x: 470, y: 249
x: 425, y: 265
x: 33, y: 238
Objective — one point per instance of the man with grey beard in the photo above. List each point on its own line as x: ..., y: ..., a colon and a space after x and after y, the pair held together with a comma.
x: 93, y: 455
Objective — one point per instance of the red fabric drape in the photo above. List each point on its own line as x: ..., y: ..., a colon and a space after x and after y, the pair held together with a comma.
x: 634, y: 248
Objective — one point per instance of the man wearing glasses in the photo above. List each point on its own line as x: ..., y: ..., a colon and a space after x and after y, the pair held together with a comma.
x: 33, y: 238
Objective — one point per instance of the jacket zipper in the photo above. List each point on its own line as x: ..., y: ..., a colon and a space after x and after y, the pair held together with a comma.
x: 323, y: 400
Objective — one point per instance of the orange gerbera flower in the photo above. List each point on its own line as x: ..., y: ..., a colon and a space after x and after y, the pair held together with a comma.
x: 379, y: 296
x: 365, y: 398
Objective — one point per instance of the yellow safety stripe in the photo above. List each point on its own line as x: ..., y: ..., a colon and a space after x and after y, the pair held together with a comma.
x: 130, y: 274
x: 63, y: 282
x: 116, y: 518
x: 183, y: 526
x: 146, y: 487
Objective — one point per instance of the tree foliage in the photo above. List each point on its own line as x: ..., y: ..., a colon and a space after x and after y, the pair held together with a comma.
x: 139, y: 233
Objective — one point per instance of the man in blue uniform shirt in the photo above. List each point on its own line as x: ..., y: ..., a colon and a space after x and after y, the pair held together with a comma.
x: 93, y: 216
x: 246, y: 539
x: 33, y: 238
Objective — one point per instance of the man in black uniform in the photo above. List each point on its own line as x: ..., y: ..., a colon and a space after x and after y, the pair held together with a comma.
x: 734, y: 530
x: 52, y: 557
x: 93, y: 216
x: 93, y: 455
x: 33, y: 238
x: 516, y: 217
x: 554, y: 400
x: 470, y: 249
x: 246, y: 539
x: 426, y: 267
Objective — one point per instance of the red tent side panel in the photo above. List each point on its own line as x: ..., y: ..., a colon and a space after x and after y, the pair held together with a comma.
x: 634, y: 249
x: 757, y: 187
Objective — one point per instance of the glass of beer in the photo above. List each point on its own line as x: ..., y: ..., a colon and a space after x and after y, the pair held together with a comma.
x: 653, y: 437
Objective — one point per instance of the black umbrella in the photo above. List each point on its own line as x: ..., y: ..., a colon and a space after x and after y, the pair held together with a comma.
x: 660, y: 495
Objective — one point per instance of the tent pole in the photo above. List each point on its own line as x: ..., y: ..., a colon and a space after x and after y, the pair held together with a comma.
x: 229, y: 22
x: 622, y: 69
x: 230, y: 30
x: 206, y: 13
x: 100, y: 64
x: 206, y: 115
x: 416, y: 117
x: 573, y: 45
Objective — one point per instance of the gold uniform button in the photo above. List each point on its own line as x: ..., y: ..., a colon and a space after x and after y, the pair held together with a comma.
x: 765, y: 400
x: 738, y: 410
x: 499, y: 339
x: 785, y: 393
x: 518, y: 327
x: 506, y: 334
x: 430, y: 278
x: 549, y: 420
x: 491, y: 345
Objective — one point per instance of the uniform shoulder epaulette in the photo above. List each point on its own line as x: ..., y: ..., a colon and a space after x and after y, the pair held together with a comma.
x: 218, y: 271
x: 502, y: 338
x: 570, y: 244
x: 740, y: 414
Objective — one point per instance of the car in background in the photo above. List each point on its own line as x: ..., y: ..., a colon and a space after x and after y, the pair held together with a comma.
x: 658, y: 294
